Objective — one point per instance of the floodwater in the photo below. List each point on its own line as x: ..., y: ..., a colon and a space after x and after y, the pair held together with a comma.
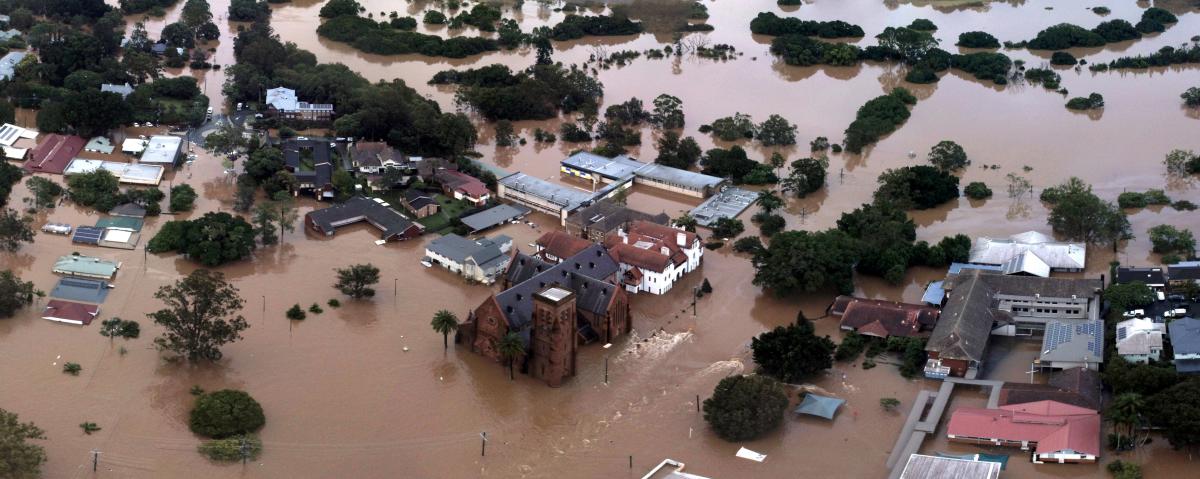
x: 344, y: 398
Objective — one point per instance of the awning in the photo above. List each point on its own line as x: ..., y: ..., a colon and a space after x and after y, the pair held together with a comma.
x: 934, y: 294
x: 817, y: 405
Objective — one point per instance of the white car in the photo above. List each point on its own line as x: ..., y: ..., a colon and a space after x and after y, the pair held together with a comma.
x: 301, y: 138
x: 1137, y: 313
x: 1176, y: 313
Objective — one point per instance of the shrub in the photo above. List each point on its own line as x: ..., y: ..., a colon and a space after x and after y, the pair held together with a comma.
x: 434, y: 17
x: 749, y: 244
x: 769, y: 224
x: 852, y: 345
x: 89, y: 427
x: 183, y: 197
x: 1046, y: 77
x: 889, y: 404
x: 1101, y: 10
x: 334, y: 303
x: 745, y: 407
x: 120, y: 328
x: 315, y: 309
x: 977, y: 191
x: 1124, y: 470
x: 1063, y: 58
x: 231, y: 449
x: 984, y: 65
x: 878, y: 117
x: 727, y: 228
x: 226, y: 413
x: 977, y: 40
x: 767, y: 23
x: 72, y: 368
x: 1184, y: 205
x: 1091, y: 102
x: 922, y: 24
x: 296, y: 313
x: 1168, y: 239
x: 1191, y: 97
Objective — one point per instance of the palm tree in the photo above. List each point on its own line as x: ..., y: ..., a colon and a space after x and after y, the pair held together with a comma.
x: 444, y: 322
x: 510, y: 347
x: 768, y: 201
x: 1125, y: 411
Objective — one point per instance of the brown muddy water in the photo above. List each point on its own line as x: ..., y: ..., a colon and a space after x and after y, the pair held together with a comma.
x: 344, y: 398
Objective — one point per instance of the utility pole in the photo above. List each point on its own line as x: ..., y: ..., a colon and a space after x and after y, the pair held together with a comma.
x: 697, y: 403
x: 264, y: 308
x: 483, y: 444
x: 695, y: 292
x: 606, y: 369
x: 95, y: 459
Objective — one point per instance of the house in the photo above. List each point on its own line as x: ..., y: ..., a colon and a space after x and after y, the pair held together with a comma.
x: 1069, y: 343
x: 392, y: 225
x: 133, y: 146
x: 920, y: 466
x: 1155, y: 278
x: 481, y: 260
x: 80, y: 290
x: 99, y: 144
x: 8, y: 64
x: 108, y: 237
x: 1074, y: 386
x: 54, y: 153
x: 420, y: 203
x: 553, y: 308
x: 652, y: 256
x: 1185, y: 342
x: 85, y: 267
x: 462, y: 186
x: 605, y: 217
x: 1029, y: 253
x: 1055, y: 432
x: 70, y: 312
x: 372, y: 157
x: 311, y: 162
x: 494, y: 216
x: 124, y: 90
x: 131, y: 210
x: 162, y: 150
x: 981, y: 302
x: 555, y: 246
x: 1182, y: 273
x: 283, y: 103
x: 1140, y: 340
x: 873, y: 317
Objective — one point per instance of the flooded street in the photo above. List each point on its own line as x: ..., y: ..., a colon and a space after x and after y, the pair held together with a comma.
x: 344, y: 398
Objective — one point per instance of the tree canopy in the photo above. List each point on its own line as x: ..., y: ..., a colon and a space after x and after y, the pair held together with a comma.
x: 793, y: 353
x: 1177, y: 410
x: 803, y: 261
x: 356, y: 280
x: 212, y: 240
x: 226, y: 413
x: 1128, y: 296
x: 200, y: 315
x: 20, y: 458
x: 807, y: 175
x: 948, y: 156
x: 878, y: 117
x: 1080, y: 215
x: 742, y: 408
x: 14, y: 293
x: 15, y: 229
x: 916, y: 187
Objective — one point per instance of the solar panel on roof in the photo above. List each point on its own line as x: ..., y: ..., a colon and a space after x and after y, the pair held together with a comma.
x: 87, y: 235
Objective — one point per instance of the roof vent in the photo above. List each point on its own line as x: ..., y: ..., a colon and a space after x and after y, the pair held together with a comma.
x: 592, y: 265
x: 508, y: 309
x: 520, y: 297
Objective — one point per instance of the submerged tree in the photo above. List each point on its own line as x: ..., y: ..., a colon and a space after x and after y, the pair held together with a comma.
x: 511, y: 347
x: 200, y: 317
x: 793, y: 353
x: 14, y: 293
x: 356, y: 281
x: 14, y: 230
x: 745, y: 407
x: 445, y: 322
x: 20, y: 458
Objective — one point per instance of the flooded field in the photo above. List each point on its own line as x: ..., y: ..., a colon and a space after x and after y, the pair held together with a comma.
x: 344, y: 399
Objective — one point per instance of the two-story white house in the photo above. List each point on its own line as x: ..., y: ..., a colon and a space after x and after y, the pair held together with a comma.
x: 1140, y: 339
x: 652, y: 257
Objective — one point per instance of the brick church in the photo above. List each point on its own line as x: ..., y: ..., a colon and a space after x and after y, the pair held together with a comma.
x: 554, y: 308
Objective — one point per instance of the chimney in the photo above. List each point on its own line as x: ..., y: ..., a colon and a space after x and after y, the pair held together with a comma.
x: 681, y: 239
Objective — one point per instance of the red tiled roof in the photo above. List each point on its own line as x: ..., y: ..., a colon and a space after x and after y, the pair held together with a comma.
x: 883, y: 318
x: 54, y: 153
x: 58, y: 310
x: 641, y: 258
x: 1054, y: 426
x: 562, y: 245
x: 462, y: 182
x: 663, y: 232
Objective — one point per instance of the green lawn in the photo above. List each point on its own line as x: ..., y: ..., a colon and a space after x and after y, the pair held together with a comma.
x: 435, y: 223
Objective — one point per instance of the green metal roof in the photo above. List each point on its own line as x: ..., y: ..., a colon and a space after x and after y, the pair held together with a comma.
x: 86, y: 266
x: 125, y: 222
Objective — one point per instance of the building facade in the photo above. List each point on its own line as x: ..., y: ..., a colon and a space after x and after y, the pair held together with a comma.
x: 653, y: 257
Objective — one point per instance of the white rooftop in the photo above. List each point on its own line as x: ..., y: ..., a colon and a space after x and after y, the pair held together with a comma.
x: 10, y: 133
x: 162, y: 149
x: 130, y: 173
x: 1139, y: 336
x: 1056, y: 255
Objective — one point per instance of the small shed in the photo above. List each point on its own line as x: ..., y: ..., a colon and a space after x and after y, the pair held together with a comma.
x: 817, y: 405
x: 123, y: 222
